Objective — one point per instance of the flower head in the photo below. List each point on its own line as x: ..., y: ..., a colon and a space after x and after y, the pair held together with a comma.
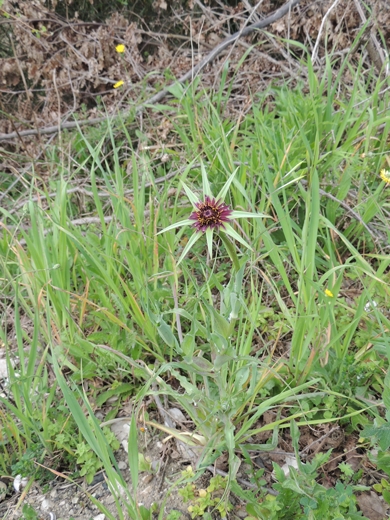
x: 385, y: 176
x: 119, y: 83
x: 120, y: 48
x: 328, y: 293
x: 211, y: 214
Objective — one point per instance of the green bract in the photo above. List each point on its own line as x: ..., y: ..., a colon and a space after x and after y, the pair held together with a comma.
x: 213, y: 204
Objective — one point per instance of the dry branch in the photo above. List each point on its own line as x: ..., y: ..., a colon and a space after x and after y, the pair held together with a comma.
x: 190, y: 75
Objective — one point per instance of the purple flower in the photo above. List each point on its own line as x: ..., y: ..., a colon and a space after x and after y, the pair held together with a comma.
x: 210, y: 214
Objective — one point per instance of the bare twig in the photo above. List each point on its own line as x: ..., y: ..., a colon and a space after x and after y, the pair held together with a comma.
x: 347, y: 208
x: 374, y: 48
x: 315, y: 50
x: 102, y: 194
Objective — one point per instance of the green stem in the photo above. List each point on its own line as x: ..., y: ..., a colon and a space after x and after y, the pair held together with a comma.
x: 231, y: 251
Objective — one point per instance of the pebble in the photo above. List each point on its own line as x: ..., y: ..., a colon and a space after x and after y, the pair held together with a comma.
x: 122, y: 465
x: 46, y: 505
x: 99, y: 477
x: 20, y: 483
x: 99, y: 517
x: 75, y: 500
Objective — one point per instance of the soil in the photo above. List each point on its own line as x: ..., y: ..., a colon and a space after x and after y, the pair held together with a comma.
x: 66, y: 500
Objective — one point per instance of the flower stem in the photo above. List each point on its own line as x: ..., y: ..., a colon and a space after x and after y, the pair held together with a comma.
x: 231, y: 251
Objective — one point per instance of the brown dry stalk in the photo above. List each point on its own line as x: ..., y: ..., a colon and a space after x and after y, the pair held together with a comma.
x: 161, y: 95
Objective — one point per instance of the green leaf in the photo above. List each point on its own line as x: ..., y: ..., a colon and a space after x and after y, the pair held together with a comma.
x: 186, y: 222
x: 205, y: 182
x: 222, y: 194
x: 202, y: 364
x: 177, y: 90
x: 221, y: 359
x: 382, y: 433
x: 194, y: 238
x: 231, y: 232
x: 383, y: 462
x: 209, y: 239
x: 220, y: 325
x: 194, y: 199
x: 247, y: 214
x: 386, y: 495
x: 188, y: 345
x: 167, y: 335
x: 132, y: 452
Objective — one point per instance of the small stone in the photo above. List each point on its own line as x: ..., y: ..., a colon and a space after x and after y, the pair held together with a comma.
x: 46, y: 505
x: 54, y: 493
x: 241, y: 513
x: 99, y: 477
x: 75, y: 500
x: 99, y: 517
x: 20, y: 483
x: 122, y: 465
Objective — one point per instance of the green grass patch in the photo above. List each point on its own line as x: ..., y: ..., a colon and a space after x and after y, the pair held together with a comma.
x: 290, y: 320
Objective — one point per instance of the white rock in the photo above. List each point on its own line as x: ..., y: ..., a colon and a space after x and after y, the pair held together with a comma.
x: 121, y: 430
x: 122, y: 465
x: 99, y: 517
x: 176, y: 414
x: 46, y: 505
x: 20, y: 483
x: 3, y: 369
x: 290, y: 461
x: 370, y: 305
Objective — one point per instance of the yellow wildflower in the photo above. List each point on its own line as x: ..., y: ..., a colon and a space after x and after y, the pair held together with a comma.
x: 119, y: 83
x: 385, y: 176
x: 120, y: 48
x: 328, y: 293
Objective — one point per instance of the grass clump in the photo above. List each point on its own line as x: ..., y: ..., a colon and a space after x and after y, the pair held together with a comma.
x: 283, y: 317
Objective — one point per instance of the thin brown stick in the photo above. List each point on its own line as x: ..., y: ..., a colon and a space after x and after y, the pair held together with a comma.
x: 346, y: 207
x: 161, y: 95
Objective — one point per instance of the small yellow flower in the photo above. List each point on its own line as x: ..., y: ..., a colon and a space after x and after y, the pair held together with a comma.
x: 202, y: 493
x: 119, y: 84
x: 120, y: 48
x: 328, y: 293
x: 385, y: 176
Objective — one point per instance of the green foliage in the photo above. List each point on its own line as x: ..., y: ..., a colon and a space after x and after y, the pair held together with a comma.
x: 206, y: 500
x: 300, y: 496
x: 29, y: 513
x: 384, y: 489
x: 261, y: 329
x: 379, y: 435
x: 26, y: 466
x: 174, y: 515
x: 88, y: 460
